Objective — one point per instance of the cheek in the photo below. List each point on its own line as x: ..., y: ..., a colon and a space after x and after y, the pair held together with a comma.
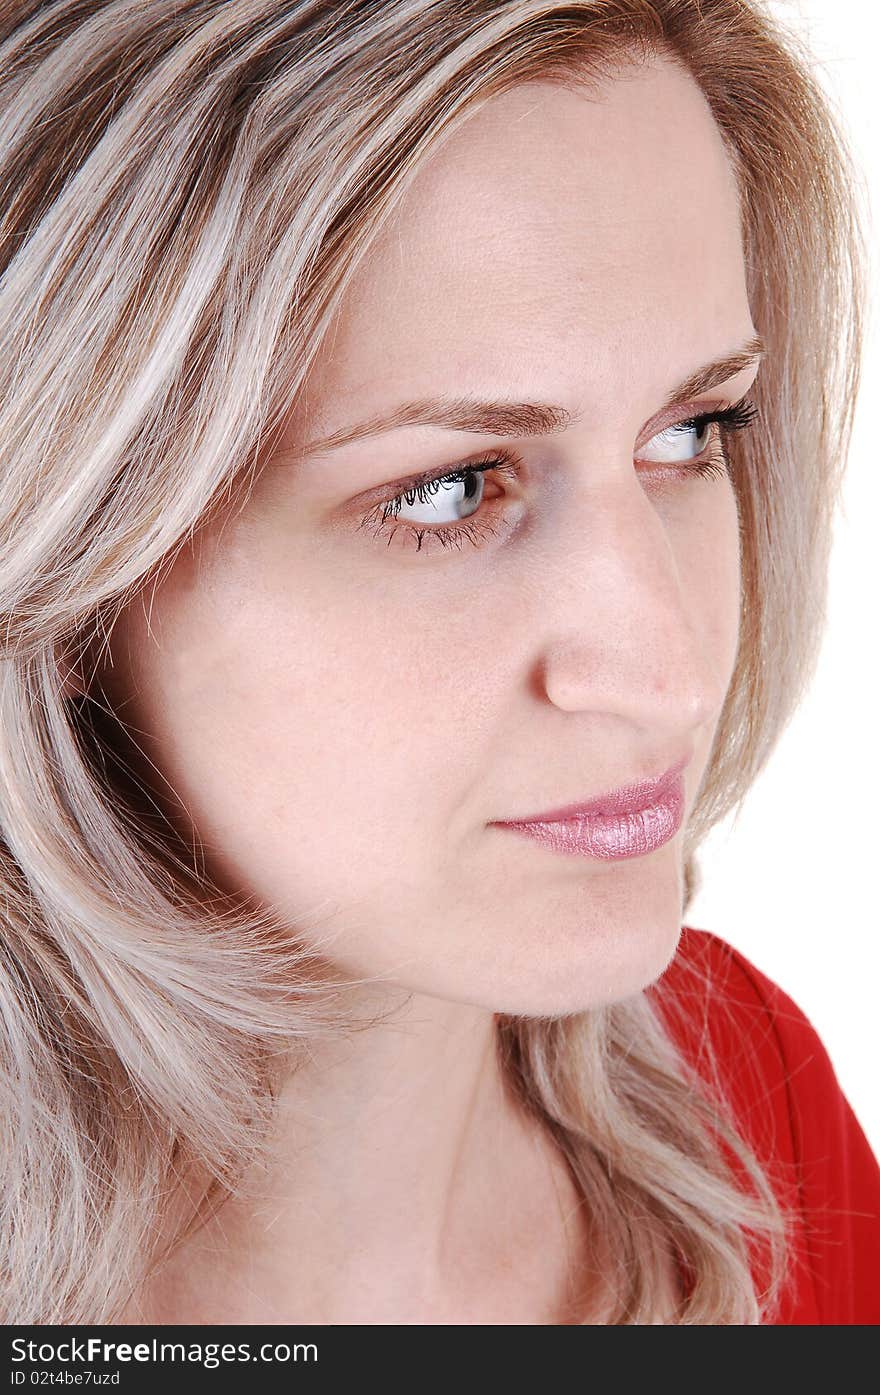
x: 315, y: 739
x: 707, y: 547
x: 721, y: 568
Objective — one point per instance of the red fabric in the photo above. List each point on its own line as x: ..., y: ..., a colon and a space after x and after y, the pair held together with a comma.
x: 791, y: 1109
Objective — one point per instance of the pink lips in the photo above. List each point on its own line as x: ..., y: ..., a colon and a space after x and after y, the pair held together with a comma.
x: 627, y: 822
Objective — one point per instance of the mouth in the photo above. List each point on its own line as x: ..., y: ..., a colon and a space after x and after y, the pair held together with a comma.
x: 628, y: 822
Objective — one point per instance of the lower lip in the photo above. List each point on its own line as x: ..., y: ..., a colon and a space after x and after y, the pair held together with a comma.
x: 612, y: 836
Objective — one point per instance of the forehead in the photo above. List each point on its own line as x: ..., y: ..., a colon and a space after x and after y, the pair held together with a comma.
x: 559, y: 234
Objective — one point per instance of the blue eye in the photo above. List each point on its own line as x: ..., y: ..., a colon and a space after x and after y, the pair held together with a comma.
x: 441, y: 502
x: 675, y: 437
x: 446, y: 498
x: 677, y: 446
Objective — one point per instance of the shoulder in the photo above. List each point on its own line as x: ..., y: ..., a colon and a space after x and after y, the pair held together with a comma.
x: 711, y: 988
x: 754, y: 1044
x: 715, y: 996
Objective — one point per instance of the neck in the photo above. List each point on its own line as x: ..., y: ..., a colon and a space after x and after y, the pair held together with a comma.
x: 403, y: 1183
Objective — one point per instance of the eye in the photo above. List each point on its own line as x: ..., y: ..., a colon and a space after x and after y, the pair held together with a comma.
x: 446, y: 498
x: 676, y: 445
x: 675, y: 442
x: 444, y: 502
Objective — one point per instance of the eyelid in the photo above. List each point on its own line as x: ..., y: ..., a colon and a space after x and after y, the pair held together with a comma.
x: 390, y: 491
x: 716, y: 401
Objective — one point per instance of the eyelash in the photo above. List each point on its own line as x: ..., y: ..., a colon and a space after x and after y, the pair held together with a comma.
x: 508, y: 464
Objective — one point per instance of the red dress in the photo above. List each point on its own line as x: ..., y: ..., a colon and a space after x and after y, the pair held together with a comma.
x: 791, y: 1109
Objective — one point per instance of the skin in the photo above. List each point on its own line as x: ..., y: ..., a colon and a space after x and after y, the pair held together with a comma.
x: 342, y: 718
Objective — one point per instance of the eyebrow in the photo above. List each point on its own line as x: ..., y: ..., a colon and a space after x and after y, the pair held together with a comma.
x: 522, y: 418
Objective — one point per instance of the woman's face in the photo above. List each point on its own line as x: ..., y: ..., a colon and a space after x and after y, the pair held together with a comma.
x: 343, y: 712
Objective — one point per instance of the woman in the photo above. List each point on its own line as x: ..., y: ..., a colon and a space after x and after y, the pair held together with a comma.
x: 420, y: 417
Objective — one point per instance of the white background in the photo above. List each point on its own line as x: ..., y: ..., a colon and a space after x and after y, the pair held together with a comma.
x: 793, y: 881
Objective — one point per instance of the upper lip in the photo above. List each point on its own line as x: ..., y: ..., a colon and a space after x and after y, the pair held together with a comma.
x: 628, y: 799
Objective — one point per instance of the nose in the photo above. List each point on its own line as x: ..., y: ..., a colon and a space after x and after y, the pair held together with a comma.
x: 629, y: 632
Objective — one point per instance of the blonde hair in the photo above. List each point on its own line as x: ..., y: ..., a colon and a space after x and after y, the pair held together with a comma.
x: 188, y: 187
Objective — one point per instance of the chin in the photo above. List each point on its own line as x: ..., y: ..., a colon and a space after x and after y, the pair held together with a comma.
x: 545, y: 950
x: 589, y: 946
x: 593, y: 986
x: 568, y: 971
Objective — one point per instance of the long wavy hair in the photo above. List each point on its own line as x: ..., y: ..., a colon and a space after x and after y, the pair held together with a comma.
x: 187, y: 188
